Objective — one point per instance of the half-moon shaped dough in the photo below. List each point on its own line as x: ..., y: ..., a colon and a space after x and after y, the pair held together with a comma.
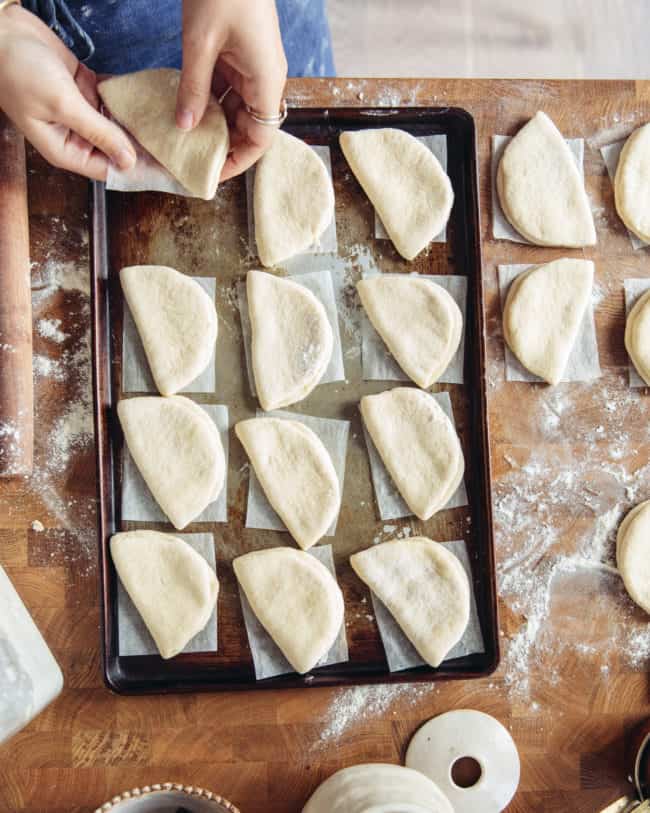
x: 145, y: 104
x: 378, y: 788
x: 176, y: 320
x: 296, y: 472
x: 540, y: 188
x: 291, y: 342
x: 405, y: 183
x: 632, y: 183
x: 178, y: 450
x: 425, y: 588
x: 172, y: 586
x: 293, y: 199
x: 543, y: 312
x: 418, y: 444
x: 637, y: 336
x: 296, y: 599
x: 418, y: 320
x: 633, y: 554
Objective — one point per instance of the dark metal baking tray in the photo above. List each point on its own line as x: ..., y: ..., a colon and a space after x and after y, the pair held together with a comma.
x: 210, y: 238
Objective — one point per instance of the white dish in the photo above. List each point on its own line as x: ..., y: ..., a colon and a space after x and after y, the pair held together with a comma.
x: 168, y: 797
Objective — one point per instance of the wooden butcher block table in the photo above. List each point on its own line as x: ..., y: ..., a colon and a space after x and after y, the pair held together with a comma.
x: 567, y: 463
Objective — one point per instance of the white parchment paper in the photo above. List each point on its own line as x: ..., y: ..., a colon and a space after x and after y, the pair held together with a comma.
x: 327, y: 243
x: 321, y: 285
x: 437, y: 144
x: 390, y: 503
x: 133, y: 635
x: 136, y: 375
x: 147, y: 174
x: 400, y: 652
x: 502, y: 229
x: 334, y: 435
x: 268, y: 660
x: 634, y: 288
x: 378, y: 362
x: 583, y: 363
x: 611, y: 153
x: 138, y: 503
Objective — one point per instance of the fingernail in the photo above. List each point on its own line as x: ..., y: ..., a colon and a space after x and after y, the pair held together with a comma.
x: 125, y: 158
x: 185, y: 120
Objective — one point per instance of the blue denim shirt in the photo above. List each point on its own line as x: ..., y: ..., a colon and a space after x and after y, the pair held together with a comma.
x: 120, y: 36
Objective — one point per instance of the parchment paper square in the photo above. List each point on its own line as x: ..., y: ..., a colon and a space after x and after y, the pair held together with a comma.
x: 634, y: 288
x: 437, y: 144
x: 136, y: 375
x: 321, y: 285
x: 583, y: 363
x: 378, y: 362
x: 501, y: 226
x: 146, y: 175
x: 334, y: 435
x: 134, y: 637
x: 138, y: 503
x: 390, y: 503
x: 400, y: 652
x: 268, y: 660
x: 611, y: 153
x: 327, y: 243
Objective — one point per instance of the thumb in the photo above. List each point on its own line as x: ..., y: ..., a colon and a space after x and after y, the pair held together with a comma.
x: 102, y: 133
x: 196, y: 81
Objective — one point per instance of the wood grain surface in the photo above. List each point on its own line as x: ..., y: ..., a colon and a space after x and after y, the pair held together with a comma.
x: 569, y: 706
x: 16, y: 390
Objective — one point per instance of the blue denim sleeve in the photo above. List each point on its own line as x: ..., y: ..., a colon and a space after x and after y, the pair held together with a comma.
x: 120, y: 36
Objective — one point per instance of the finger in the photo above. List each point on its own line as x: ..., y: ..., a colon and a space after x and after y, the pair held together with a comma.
x: 87, y: 83
x: 67, y: 150
x: 249, y: 140
x: 200, y: 51
x: 80, y: 117
x: 260, y: 81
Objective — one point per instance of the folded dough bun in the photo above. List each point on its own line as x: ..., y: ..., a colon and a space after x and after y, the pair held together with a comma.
x: 177, y: 449
x: 296, y: 599
x: 144, y: 103
x: 176, y: 321
x: 171, y: 585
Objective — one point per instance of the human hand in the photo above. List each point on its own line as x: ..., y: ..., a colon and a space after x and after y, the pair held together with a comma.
x: 237, y: 44
x: 52, y: 98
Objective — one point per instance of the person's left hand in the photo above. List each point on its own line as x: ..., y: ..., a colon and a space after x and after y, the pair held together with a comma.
x: 237, y: 44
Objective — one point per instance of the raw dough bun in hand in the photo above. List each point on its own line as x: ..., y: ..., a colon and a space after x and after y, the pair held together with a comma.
x: 296, y: 472
x: 296, y: 599
x: 633, y: 554
x: 418, y: 320
x: 543, y: 312
x: 172, y: 586
x: 424, y: 587
x: 293, y: 199
x: 144, y: 103
x: 178, y: 450
x: 540, y: 188
x: 291, y: 341
x: 418, y: 444
x: 632, y: 183
x: 378, y: 788
x: 176, y: 320
x: 405, y: 183
x: 637, y: 336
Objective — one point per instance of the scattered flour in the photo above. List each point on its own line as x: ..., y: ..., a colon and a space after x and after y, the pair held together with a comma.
x: 361, y: 703
x: 51, y: 329
x: 556, y: 517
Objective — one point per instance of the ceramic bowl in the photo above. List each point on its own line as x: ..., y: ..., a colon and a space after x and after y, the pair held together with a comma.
x: 168, y: 797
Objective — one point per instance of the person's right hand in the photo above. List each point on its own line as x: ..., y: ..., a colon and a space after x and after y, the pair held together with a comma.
x: 52, y: 98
